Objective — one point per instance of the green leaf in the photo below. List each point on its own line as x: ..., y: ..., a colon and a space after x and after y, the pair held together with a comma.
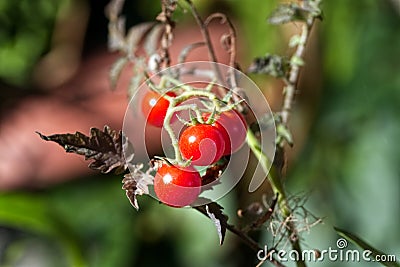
x: 364, y: 245
x: 295, y: 40
x: 283, y: 134
x: 30, y: 213
x: 298, y: 61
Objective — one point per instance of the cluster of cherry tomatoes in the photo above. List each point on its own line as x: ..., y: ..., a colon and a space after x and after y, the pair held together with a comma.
x: 201, y: 143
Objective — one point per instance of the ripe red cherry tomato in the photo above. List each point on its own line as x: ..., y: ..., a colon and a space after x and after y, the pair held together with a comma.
x: 233, y: 128
x: 154, y: 107
x: 202, y: 143
x: 177, y: 186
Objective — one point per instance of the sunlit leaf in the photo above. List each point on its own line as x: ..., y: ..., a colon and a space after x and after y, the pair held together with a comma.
x: 295, y: 60
x: 295, y: 40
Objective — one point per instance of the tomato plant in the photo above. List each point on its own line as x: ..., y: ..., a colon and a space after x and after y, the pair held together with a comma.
x: 233, y: 128
x: 155, y: 106
x: 177, y: 186
x: 203, y: 143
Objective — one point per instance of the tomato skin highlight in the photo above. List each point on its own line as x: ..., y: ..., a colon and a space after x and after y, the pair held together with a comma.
x: 203, y: 143
x: 177, y: 186
x: 233, y: 128
x: 154, y: 108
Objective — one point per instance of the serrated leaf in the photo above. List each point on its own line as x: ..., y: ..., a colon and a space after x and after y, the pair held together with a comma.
x: 364, y: 245
x: 137, y: 183
x: 214, y: 211
x: 104, y: 147
x: 274, y: 65
x: 115, y: 71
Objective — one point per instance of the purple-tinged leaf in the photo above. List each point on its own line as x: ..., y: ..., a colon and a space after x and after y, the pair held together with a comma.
x: 137, y: 183
x: 105, y: 148
x: 212, y: 174
x: 214, y: 211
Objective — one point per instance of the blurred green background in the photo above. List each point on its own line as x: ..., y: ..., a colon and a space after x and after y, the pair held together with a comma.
x: 350, y: 161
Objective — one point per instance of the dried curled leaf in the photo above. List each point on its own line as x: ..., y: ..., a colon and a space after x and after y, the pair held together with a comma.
x: 274, y: 65
x: 116, y: 70
x: 152, y: 40
x: 214, y: 211
x: 137, y: 183
x: 258, y: 215
x: 104, y: 147
x: 136, y: 34
x: 187, y: 49
x: 294, y: 12
x: 116, y: 36
x: 116, y: 25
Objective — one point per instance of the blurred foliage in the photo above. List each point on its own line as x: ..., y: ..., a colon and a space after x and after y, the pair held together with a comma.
x: 26, y: 28
x: 350, y: 163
